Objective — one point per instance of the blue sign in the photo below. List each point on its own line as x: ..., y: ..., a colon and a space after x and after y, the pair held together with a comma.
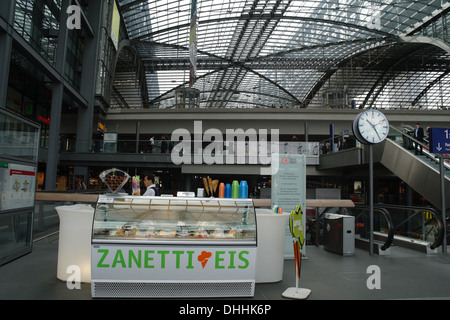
x: 440, y: 140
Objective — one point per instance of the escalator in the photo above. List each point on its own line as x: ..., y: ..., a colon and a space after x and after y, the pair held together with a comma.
x: 421, y: 229
x: 417, y: 228
x: 421, y: 172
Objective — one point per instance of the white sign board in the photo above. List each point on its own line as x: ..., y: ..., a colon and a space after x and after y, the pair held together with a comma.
x: 17, y: 186
x: 172, y: 262
x: 289, y: 188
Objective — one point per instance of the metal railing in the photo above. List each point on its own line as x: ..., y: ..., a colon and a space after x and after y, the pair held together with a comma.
x: 382, y: 224
x: 421, y: 223
x: 415, y: 223
x: 407, y: 141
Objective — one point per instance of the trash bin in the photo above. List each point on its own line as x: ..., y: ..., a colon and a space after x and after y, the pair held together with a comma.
x: 339, y: 234
x: 74, y: 247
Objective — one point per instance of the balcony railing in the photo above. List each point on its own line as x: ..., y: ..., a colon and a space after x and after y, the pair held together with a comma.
x: 246, y: 149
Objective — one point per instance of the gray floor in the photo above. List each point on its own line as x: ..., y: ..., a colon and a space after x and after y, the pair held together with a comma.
x: 405, y: 274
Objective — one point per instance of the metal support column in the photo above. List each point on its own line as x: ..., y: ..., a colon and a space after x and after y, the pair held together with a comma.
x: 138, y: 134
x: 53, y: 139
x: 56, y: 107
x: 371, y: 199
x: 443, y: 211
x: 7, y: 15
x: 89, y: 76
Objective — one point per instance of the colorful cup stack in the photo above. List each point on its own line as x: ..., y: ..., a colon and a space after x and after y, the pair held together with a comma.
x: 277, y: 209
x: 221, y: 190
x: 234, y: 190
x: 243, y: 189
x: 228, y: 190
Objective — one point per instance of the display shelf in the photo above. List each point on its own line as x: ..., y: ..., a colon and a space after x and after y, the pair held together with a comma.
x: 156, y: 218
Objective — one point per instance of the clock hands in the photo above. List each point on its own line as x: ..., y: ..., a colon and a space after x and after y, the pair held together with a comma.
x: 374, y: 127
x: 380, y: 122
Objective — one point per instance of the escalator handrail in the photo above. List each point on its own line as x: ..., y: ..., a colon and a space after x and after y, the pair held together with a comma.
x: 425, y: 146
x: 387, y: 216
x: 410, y: 137
x: 438, y: 217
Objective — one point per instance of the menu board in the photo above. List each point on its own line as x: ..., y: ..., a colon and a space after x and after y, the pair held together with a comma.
x: 289, y: 188
x: 17, y: 186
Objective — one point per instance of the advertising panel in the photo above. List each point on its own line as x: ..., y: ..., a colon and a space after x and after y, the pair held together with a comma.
x: 17, y: 186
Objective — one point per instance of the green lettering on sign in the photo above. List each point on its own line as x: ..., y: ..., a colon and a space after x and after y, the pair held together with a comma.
x: 148, y: 258
x: 189, y: 265
x: 118, y: 259
x: 183, y: 259
x: 132, y: 257
x: 177, y: 258
x: 102, y: 259
x: 163, y: 258
x: 232, y: 253
x: 241, y: 257
x: 218, y: 259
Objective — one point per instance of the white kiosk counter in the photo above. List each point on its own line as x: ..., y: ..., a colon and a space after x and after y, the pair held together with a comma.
x: 75, y: 227
x: 271, y: 241
x: 173, y: 247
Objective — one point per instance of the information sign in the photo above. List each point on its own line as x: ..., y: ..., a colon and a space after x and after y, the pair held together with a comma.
x: 440, y: 140
x: 289, y: 188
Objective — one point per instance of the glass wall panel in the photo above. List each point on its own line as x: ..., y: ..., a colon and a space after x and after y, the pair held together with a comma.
x: 37, y: 21
x: 15, y: 235
x: 18, y: 138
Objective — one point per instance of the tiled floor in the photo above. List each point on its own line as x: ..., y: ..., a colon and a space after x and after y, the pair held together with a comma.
x: 405, y: 274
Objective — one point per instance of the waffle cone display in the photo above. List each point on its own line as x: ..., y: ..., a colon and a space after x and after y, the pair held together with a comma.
x: 114, y: 179
x: 215, y: 183
x: 205, y: 183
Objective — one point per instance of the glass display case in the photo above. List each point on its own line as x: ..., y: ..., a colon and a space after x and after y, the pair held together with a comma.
x: 132, y: 218
x: 173, y: 247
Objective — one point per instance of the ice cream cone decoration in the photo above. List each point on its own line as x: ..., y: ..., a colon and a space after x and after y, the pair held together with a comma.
x: 205, y: 183
x: 203, y: 258
x: 210, y: 186
x: 215, y: 183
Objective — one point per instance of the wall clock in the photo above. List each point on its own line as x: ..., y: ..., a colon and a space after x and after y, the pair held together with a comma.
x: 371, y: 126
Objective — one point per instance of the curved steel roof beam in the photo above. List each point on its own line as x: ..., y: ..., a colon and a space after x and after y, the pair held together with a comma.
x: 404, y: 39
x: 329, y: 73
x: 140, y: 72
x: 262, y: 17
x: 426, y: 40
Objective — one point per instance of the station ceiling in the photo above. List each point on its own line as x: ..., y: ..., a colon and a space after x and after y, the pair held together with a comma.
x: 285, y: 53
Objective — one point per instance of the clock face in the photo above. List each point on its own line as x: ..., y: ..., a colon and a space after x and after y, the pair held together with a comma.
x: 372, y: 126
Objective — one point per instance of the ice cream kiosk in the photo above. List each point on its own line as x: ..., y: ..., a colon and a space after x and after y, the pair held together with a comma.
x: 173, y: 247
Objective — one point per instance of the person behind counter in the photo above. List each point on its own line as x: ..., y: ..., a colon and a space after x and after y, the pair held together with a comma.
x: 149, y: 183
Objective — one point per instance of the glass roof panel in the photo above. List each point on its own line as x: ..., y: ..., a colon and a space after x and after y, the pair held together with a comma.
x: 253, y: 53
